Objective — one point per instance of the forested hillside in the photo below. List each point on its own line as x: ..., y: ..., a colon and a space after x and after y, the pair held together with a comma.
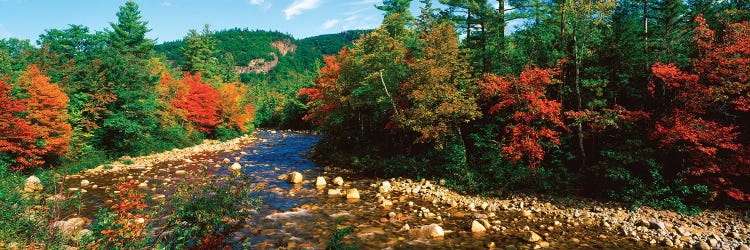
x: 280, y: 65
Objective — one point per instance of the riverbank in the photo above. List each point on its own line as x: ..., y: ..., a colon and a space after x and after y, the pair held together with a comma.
x: 395, y: 213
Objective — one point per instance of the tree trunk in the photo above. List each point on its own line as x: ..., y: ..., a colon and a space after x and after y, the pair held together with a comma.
x: 577, y: 61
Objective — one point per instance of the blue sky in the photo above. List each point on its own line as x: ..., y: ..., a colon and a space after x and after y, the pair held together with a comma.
x: 171, y: 19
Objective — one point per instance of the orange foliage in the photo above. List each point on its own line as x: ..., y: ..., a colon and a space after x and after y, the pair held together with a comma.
x: 47, y: 112
x: 236, y: 112
x: 15, y: 132
x: 531, y: 118
x: 200, y: 102
x: 322, y: 99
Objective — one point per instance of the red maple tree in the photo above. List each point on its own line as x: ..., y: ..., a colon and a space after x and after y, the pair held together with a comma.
x: 15, y: 132
x: 533, y: 121
x: 47, y: 112
x: 200, y: 102
x: 701, y: 128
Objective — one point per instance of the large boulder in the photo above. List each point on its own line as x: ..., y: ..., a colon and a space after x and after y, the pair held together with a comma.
x: 295, y: 178
x: 33, y: 184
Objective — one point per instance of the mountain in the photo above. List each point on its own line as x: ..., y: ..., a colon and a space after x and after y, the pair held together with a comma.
x: 266, y: 54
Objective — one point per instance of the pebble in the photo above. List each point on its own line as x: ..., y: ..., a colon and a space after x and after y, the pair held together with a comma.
x: 179, y: 172
x: 85, y: 183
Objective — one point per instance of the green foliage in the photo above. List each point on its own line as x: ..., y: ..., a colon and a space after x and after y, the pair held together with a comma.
x: 336, y: 241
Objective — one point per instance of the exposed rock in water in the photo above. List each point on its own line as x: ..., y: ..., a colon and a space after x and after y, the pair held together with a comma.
x: 235, y: 167
x: 433, y: 231
x: 33, y: 184
x: 477, y: 227
x: 282, y: 177
x: 352, y: 194
x: 320, y: 181
x: 334, y: 192
x: 295, y: 178
x: 338, y: 181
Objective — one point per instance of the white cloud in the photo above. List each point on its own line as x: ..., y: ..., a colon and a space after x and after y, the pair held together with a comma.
x: 166, y: 3
x: 298, y: 6
x: 256, y: 2
x: 330, y: 23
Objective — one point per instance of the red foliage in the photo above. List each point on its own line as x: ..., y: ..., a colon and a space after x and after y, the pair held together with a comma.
x: 532, y: 119
x: 15, y: 132
x: 47, y: 112
x: 200, y: 102
x: 322, y: 99
x: 702, y: 129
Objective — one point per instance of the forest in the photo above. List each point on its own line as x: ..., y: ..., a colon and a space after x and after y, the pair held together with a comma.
x: 644, y: 102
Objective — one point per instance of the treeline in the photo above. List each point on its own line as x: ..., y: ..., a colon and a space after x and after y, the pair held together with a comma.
x: 274, y: 93
x: 79, y: 96
x: 639, y: 101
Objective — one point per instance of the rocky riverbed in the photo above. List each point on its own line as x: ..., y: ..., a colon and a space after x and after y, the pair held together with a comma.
x: 302, y: 204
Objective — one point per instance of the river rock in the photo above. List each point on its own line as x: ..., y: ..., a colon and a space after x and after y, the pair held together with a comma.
x: 282, y: 177
x: 743, y: 247
x: 236, y: 167
x: 532, y: 237
x: 659, y: 225
x: 320, y: 181
x: 387, y: 203
x: 433, y: 231
x: 33, y: 184
x: 338, y: 181
x: 385, y: 187
x: 85, y: 183
x: 143, y: 185
x: 703, y: 246
x: 226, y: 160
x: 180, y: 172
x: 477, y: 227
x: 334, y: 192
x: 295, y: 178
x: 352, y: 194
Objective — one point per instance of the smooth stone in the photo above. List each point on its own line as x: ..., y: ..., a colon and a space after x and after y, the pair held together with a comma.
x: 352, y: 194
x: 143, y: 185
x: 338, y: 181
x: 703, y: 246
x: 180, y: 172
x: 33, y: 184
x: 236, y: 167
x: 282, y: 177
x: 433, y: 231
x: 334, y: 192
x: 320, y: 181
x: 295, y: 178
x: 85, y: 183
x: 477, y: 227
x: 532, y: 237
x: 743, y: 247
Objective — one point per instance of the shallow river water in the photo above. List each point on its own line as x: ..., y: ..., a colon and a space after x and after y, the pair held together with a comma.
x: 303, y: 216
